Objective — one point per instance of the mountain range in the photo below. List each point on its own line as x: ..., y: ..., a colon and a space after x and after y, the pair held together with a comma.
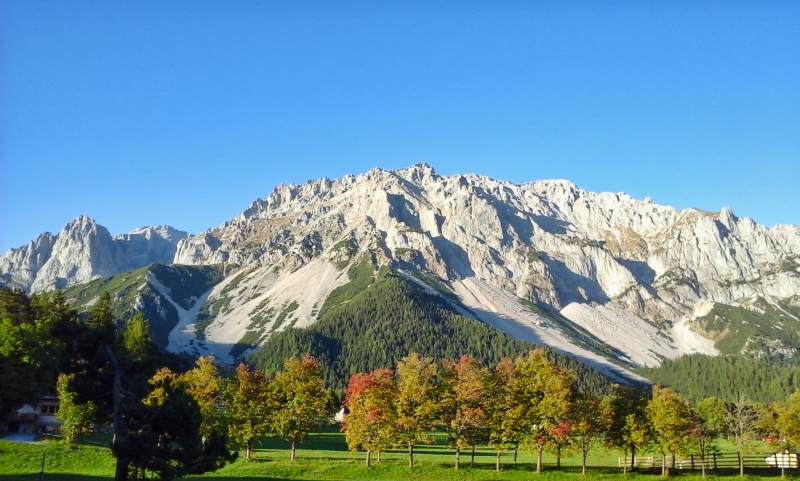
x: 610, y: 280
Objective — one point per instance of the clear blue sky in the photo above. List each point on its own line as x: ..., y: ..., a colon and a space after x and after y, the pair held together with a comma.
x: 183, y: 112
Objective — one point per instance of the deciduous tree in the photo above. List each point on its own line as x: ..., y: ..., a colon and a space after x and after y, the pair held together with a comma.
x: 76, y: 418
x: 671, y: 419
x: 371, y: 419
x: 301, y: 401
x: 248, y: 407
x: 417, y: 397
x: 742, y: 419
x: 590, y: 418
x: 205, y: 385
x: 463, y: 402
x: 538, y: 398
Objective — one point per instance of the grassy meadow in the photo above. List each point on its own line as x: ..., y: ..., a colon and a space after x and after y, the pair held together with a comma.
x: 325, y: 457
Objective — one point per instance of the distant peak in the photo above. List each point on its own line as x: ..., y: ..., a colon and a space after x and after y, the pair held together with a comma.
x: 82, y: 220
x: 417, y: 172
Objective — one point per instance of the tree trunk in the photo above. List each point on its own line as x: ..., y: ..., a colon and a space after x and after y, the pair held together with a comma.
x: 294, y: 451
x: 247, y: 451
x: 411, y: 455
x: 539, y: 459
x: 703, y: 460
x: 379, y: 455
x: 120, y: 441
x: 624, y: 461
x: 472, y: 460
x: 558, y: 456
x: 497, y: 461
x: 516, y: 449
x: 458, y: 457
x: 584, y: 449
x: 633, y: 457
x: 741, y: 464
x: 369, y: 456
x: 663, y: 465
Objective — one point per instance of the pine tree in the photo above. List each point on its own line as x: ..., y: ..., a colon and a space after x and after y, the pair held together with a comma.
x: 101, y: 319
x: 136, y: 337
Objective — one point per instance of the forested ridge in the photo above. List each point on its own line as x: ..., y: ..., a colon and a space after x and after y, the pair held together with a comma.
x: 728, y: 377
x: 391, y: 318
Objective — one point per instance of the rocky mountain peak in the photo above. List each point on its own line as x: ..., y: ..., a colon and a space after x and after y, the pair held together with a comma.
x: 549, y: 243
x: 84, y: 250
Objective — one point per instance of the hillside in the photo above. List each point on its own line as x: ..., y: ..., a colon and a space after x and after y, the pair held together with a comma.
x: 165, y: 294
x: 385, y: 321
x: 728, y: 377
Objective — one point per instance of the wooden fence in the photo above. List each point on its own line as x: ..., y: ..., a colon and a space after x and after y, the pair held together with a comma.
x: 695, y: 462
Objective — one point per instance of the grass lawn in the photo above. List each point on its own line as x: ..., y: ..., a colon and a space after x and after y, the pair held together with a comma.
x: 322, y: 458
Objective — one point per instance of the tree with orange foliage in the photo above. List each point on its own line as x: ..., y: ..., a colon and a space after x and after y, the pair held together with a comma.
x: 463, y: 403
x: 248, y: 407
x: 301, y: 399
x: 370, y: 421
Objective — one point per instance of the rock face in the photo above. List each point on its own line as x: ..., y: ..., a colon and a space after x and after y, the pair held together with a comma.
x: 82, y: 251
x: 542, y: 260
x: 607, y: 278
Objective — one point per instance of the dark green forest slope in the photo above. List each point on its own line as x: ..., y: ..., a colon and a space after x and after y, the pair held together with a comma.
x: 697, y: 376
x: 387, y: 319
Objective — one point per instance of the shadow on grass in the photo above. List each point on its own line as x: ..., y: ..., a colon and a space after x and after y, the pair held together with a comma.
x: 83, y: 477
x: 575, y: 471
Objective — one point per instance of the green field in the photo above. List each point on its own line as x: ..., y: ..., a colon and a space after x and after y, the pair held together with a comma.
x: 324, y: 458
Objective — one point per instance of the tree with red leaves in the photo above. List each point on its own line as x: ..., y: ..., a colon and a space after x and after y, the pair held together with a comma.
x: 372, y: 412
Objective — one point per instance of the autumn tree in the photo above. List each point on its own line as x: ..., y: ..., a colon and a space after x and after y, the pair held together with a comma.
x: 463, y: 403
x: 671, y: 419
x: 76, y: 418
x: 416, y: 400
x: 371, y: 412
x: 204, y: 384
x: 742, y: 424
x: 248, y: 407
x: 538, y: 398
x: 500, y: 421
x: 302, y: 403
x: 788, y: 420
x: 558, y: 439
x: 591, y: 418
x: 710, y: 424
x: 629, y: 428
